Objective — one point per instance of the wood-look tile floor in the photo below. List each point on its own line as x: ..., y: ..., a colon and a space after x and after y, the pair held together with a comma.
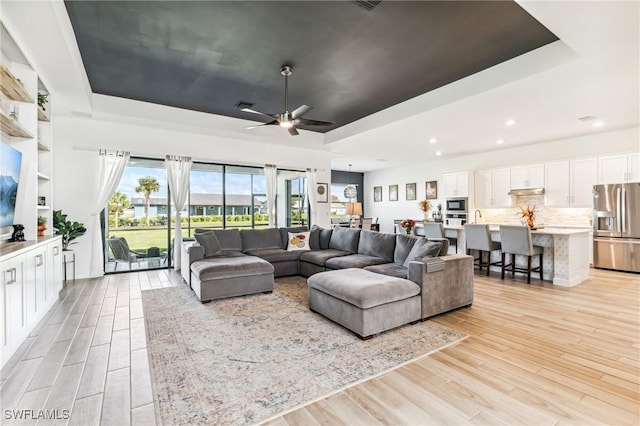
x: 537, y: 354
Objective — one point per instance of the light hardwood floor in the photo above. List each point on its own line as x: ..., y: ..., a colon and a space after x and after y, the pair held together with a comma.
x: 536, y: 354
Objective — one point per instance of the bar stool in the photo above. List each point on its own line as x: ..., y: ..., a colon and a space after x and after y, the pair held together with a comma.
x: 436, y: 230
x: 478, y: 238
x: 516, y: 240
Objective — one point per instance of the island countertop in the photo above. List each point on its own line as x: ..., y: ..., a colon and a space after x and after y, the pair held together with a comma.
x: 547, y: 230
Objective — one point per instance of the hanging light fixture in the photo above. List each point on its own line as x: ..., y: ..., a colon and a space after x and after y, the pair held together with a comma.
x: 354, y: 209
x: 350, y: 191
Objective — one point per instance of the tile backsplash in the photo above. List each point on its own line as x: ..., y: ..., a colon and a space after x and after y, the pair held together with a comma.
x: 549, y: 216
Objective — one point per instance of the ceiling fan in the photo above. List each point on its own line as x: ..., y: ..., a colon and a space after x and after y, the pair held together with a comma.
x: 288, y: 120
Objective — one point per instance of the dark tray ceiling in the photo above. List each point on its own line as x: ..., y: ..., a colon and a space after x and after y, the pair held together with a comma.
x: 349, y: 62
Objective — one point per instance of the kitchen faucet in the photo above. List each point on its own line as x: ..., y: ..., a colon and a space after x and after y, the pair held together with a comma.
x: 475, y: 215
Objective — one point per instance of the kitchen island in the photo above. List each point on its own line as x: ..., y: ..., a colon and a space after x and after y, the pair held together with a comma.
x: 565, y: 256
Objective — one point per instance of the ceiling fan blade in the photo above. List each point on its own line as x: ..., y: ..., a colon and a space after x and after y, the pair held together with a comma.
x: 309, y: 122
x: 293, y: 131
x: 300, y: 111
x: 253, y: 111
x: 263, y: 124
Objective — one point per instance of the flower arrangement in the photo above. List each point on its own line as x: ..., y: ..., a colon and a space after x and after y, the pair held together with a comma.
x: 528, y: 215
x: 408, y: 225
x: 424, y: 205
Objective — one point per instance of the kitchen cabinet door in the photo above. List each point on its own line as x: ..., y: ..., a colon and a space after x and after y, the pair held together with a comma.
x: 14, y: 323
x: 35, y: 284
x: 556, y: 186
x: 456, y: 184
x: 483, y: 191
x: 583, y: 176
x: 612, y: 169
x: 54, y: 269
x: 500, y: 186
x: 527, y: 176
x: 633, y: 167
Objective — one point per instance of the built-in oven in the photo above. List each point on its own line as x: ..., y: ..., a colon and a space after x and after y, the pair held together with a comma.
x: 456, y: 205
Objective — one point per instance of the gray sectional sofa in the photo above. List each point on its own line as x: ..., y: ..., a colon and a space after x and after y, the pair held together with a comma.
x: 250, y: 259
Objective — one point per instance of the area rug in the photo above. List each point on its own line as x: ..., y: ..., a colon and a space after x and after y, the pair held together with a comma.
x: 242, y: 360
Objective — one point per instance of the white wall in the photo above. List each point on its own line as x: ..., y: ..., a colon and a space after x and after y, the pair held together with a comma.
x: 78, y: 139
x: 627, y: 140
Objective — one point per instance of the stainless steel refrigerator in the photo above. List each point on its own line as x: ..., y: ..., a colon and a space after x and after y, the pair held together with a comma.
x: 616, y: 226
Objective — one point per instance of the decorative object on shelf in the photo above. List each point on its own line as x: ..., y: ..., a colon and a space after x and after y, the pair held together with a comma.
x: 408, y: 225
x: 14, y: 114
x: 42, y: 225
x: 393, y: 192
x: 42, y: 201
x: 425, y: 206
x: 411, y: 191
x: 42, y: 99
x: 69, y: 230
x: 377, y: 194
x: 528, y: 215
x: 437, y: 215
x: 18, y: 233
x: 431, y: 190
x: 322, y: 191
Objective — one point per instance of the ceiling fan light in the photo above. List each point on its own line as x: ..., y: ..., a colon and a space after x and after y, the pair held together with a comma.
x: 286, y: 124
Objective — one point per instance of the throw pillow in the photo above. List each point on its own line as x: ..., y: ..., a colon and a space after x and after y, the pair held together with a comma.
x: 210, y: 242
x: 422, y: 248
x: 299, y: 241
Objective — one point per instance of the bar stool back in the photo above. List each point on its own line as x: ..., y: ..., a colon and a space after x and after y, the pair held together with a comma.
x: 478, y: 238
x: 436, y: 230
x: 516, y: 240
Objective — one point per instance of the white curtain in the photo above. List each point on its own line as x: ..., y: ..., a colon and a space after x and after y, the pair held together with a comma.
x: 110, y: 169
x: 312, y: 194
x: 270, y: 176
x: 178, y: 171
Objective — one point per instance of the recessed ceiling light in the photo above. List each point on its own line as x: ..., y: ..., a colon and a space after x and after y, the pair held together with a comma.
x: 510, y: 123
x: 381, y: 159
x: 438, y: 152
x: 587, y: 118
x: 433, y: 140
x: 500, y: 141
x: 598, y: 124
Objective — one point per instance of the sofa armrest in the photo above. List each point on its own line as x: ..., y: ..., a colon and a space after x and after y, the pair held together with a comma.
x: 191, y: 252
x: 444, y: 290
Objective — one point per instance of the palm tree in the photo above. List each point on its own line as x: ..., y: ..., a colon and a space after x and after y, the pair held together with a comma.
x: 147, y: 185
x: 117, y: 204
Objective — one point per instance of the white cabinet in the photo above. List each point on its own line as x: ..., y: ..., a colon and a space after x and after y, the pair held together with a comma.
x: 570, y: 183
x: 31, y: 276
x: 456, y: 184
x: 13, y: 321
x: 491, y: 188
x: 527, y: 176
x: 619, y: 168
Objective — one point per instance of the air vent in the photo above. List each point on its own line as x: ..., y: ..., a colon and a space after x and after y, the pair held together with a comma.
x: 243, y: 104
x: 587, y: 118
x: 367, y: 4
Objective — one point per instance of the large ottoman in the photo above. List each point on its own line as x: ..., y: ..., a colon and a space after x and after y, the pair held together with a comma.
x: 364, y: 302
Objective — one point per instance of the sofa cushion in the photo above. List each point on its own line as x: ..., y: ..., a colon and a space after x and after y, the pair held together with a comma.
x: 254, y: 239
x: 391, y: 269
x: 377, y: 244
x: 422, y: 248
x: 320, y: 238
x: 209, y: 243
x: 284, y: 234
x: 320, y: 257
x: 345, y: 239
x: 445, y: 245
x: 362, y: 288
x: 354, y: 261
x: 404, y: 244
x: 222, y: 267
x: 298, y: 241
x: 229, y: 239
x: 276, y: 255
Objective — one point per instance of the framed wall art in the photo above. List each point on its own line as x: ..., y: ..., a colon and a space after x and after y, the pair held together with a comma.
x: 322, y: 192
x: 431, y: 190
x: 393, y: 192
x: 411, y: 191
x: 377, y: 194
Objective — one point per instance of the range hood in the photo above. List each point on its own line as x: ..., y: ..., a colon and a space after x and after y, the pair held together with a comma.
x: 527, y: 191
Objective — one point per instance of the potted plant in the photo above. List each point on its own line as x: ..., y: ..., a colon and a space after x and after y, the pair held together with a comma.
x: 42, y: 99
x: 69, y: 230
x: 42, y: 225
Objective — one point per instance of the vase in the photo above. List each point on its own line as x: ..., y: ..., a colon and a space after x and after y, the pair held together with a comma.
x: 41, y: 229
x: 426, y: 216
x: 530, y: 222
x: 408, y: 231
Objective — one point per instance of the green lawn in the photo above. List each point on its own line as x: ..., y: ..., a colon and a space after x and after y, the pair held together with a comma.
x: 140, y: 238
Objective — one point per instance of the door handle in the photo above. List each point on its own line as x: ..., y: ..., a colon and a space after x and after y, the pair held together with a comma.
x: 618, y: 209
x: 56, y: 251
x: 12, y: 276
x: 623, y: 210
x: 39, y: 260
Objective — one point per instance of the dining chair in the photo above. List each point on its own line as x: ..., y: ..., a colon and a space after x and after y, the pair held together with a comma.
x: 366, y: 223
x: 478, y: 237
x: 516, y: 241
x: 436, y: 230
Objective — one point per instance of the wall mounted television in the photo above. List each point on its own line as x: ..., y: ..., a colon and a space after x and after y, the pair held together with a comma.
x: 10, y: 163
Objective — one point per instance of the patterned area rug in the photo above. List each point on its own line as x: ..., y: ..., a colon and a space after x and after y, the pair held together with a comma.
x: 245, y: 359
